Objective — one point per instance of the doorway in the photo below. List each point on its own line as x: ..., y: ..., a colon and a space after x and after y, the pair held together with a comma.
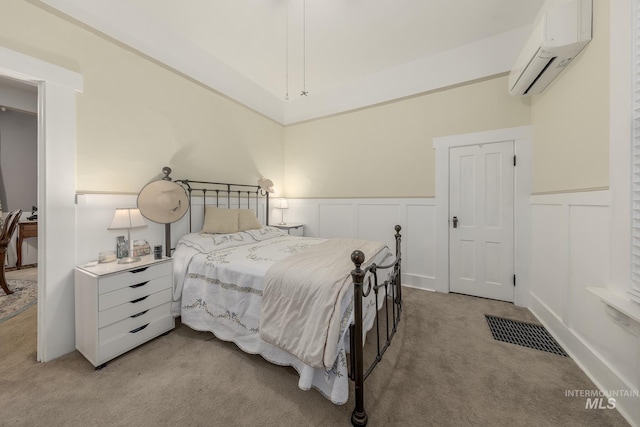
x: 57, y: 88
x: 19, y: 166
x: 520, y: 138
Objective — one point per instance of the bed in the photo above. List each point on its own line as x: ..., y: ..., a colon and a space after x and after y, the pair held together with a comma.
x: 303, y: 302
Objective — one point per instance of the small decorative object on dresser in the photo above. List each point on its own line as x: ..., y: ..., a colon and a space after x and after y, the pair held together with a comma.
x: 107, y: 256
x: 119, y: 307
x: 141, y: 248
x: 122, y: 247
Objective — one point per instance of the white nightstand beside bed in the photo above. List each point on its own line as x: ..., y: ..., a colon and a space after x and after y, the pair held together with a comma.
x: 121, y: 306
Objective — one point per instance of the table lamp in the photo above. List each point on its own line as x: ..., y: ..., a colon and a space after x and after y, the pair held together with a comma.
x: 127, y: 218
x: 282, y: 204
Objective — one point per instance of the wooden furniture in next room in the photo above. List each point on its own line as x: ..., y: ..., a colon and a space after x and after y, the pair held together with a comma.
x: 8, y: 228
x: 26, y: 229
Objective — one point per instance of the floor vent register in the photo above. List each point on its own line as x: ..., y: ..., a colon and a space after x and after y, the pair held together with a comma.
x: 523, y: 334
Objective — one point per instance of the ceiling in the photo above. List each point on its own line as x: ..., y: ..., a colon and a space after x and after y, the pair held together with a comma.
x: 344, y: 53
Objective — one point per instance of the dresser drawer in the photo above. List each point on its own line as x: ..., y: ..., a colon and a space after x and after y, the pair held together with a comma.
x: 122, y: 311
x: 131, y: 323
x: 125, y: 279
x: 134, y: 294
x: 130, y: 340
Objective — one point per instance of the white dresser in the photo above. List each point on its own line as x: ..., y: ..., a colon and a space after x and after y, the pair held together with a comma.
x: 120, y: 306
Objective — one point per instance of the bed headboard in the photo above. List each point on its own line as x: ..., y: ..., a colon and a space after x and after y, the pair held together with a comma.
x: 220, y: 194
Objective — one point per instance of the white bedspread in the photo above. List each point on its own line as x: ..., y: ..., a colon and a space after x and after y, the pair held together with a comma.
x: 219, y: 284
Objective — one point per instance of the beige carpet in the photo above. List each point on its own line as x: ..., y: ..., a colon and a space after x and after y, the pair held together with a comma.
x: 444, y: 369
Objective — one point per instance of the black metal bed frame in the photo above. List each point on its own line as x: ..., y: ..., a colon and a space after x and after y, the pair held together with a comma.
x: 361, y: 288
x: 241, y: 192
x: 393, y: 295
x: 230, y: 189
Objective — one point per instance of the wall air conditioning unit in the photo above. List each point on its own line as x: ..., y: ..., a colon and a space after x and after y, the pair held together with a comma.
x: 561, y: 33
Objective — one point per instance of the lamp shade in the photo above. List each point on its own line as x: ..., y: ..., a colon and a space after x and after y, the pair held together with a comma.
x: 126, y: 218
x: 282, y: 204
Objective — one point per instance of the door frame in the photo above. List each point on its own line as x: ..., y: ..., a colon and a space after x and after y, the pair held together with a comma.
x: 522, y: 137
x: 57, y: 88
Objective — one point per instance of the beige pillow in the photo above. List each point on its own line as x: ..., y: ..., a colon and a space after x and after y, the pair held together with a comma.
x: 247, y: 220
x: 220, y: 220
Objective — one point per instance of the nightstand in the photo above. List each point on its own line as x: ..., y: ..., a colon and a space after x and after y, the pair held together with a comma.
x: 293, y: 229
x: 120, y: 306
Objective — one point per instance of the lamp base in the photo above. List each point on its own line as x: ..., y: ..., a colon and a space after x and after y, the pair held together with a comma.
x: 282, y: 223
x: 129, y: 260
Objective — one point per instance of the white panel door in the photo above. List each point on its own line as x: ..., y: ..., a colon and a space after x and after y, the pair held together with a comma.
x: 481, y: 230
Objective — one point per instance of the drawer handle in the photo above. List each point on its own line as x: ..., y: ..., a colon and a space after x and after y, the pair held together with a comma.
x: 139, y: 314
x: 139, y: 270
x: 139, y: 285
x: 136, y: 330
x: 139, y: 299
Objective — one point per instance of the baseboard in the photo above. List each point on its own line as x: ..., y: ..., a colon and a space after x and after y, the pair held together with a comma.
x: 588, y: 360
x: 421, y: 289
x: 419, y: 282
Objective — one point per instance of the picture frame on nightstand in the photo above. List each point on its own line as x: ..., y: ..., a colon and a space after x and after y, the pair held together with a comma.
x: 122, y: 247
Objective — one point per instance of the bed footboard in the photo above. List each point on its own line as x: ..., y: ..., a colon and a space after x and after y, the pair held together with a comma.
x: 393, y: 297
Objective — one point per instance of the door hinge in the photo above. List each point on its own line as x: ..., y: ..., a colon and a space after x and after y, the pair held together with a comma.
x: 514, y: 160
x: 514, y: 280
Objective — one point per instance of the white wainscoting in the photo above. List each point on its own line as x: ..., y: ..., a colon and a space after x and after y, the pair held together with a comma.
x: 375, y: 219
x: 94, y: 213
x: 354, y: 218
x: 570, y: 252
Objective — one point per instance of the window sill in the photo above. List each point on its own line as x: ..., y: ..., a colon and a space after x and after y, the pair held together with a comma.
x: 623, y: 308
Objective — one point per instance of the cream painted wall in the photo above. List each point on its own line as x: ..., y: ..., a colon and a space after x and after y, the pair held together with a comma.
x: 343, y: 155
x: 135, y: 116
x: 571, y: 119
